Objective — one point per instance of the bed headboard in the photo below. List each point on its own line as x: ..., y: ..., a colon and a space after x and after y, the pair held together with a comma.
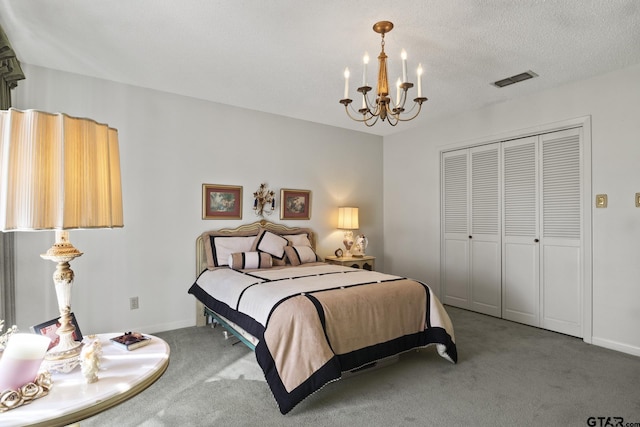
x: 201, y: 257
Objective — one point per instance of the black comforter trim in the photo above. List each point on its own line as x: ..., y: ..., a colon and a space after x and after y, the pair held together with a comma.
x: 287, y: 401
x: 244, y: 321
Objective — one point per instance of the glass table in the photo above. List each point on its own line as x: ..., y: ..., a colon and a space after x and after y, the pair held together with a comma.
x: 122, y: 375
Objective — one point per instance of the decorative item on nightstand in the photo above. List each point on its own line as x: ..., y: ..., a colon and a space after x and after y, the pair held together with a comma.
x: 58, y: 173
x: 348, y: 221
x: 360, y: 245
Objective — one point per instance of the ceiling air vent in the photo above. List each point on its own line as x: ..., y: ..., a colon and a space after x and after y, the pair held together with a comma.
x: 515, y: 79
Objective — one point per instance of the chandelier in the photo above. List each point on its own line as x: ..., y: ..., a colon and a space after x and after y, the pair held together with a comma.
x: 384, y: 107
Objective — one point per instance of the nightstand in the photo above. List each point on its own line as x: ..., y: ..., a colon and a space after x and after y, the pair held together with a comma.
x: 364, y: 262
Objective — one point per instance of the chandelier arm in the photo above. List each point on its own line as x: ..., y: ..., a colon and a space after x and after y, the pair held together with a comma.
x: 370, y: 124
x: 392, y: 118
x: 363, y: 120
x: 402, y: 110
x: 376, y: 111
x: 419, y: 103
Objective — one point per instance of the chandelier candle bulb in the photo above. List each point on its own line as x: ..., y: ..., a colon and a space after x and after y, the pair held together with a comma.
x: 419, y: 72
x: 403, y: 54
x: 346, y: 83
x: 365, y: 61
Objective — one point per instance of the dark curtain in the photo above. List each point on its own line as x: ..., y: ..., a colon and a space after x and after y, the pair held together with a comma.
x: 10, y: 74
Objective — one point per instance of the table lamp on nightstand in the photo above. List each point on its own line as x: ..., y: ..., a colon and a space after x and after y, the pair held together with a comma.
x: 58, y: 172
x: 348, y: 221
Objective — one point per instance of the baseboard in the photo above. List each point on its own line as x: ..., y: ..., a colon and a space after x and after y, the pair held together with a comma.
x: 162, y: 327
x: 614, y: 345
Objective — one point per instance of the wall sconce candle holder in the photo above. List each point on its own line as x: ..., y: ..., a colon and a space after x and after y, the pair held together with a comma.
x: 264, y: 201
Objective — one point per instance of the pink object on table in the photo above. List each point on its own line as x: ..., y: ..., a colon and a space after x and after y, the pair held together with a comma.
x: 21, y: 360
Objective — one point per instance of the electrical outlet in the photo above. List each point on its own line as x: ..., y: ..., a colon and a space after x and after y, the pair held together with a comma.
x: 133, y: 303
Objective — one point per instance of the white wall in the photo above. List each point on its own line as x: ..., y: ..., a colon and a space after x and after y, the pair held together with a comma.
x: 169, y: 146
x: 411, y: 166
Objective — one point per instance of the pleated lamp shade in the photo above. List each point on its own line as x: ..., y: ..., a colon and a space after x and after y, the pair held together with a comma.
x: 348, y: 218
x: 58, y: 172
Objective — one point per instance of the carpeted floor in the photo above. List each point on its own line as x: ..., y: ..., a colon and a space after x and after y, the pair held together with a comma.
x: 507, y: 375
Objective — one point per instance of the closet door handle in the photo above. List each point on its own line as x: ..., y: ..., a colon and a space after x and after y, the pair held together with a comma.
x: 470, y: 237
x: 536, y: 240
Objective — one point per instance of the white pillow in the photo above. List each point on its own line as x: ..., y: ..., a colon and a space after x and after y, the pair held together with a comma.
x: 224, y: 246
x: 298, y: 239
x: 271, y: 244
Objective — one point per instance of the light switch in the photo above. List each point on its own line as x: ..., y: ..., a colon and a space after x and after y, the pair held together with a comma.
x: 637, y: 200
x: 601, y: 200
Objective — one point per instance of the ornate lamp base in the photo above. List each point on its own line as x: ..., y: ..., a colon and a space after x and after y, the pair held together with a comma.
x: 65, y: 356
x: 62, y: 361
x: 348, y: 242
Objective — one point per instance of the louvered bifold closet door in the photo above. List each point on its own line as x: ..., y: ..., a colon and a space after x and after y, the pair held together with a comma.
x: 455, y: 229
x: 520, y: 240
x: 485, y: 236
x: 561, y: 243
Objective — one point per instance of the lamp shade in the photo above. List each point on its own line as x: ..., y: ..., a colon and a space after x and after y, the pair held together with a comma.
x: 348, y: 218
x: 58, y: 172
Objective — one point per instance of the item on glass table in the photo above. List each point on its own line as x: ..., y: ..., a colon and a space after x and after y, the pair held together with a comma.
x: 11, y: 399
x: 21, y: 360
x: 131, y: 340
x: 90, y: 361
x: 6, y: 335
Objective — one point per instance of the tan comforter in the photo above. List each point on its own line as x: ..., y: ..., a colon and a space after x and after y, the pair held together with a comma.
x: 320, y: 320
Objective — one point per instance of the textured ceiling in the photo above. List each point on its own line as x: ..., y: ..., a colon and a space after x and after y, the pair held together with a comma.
x: 287, y: 56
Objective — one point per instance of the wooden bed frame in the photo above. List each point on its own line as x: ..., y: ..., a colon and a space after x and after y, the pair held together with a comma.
x: 201, y: 258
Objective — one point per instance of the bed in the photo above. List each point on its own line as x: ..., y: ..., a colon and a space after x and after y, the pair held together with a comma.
x: 308, y: 321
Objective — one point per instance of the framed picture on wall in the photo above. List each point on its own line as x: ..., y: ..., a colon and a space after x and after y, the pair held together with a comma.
x: 295, y: 204
x: 221, y: 201
x: 49, y: 328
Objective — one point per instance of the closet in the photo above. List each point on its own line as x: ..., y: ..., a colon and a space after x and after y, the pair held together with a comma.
x: 471, y: 224
x: 512, y: 229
